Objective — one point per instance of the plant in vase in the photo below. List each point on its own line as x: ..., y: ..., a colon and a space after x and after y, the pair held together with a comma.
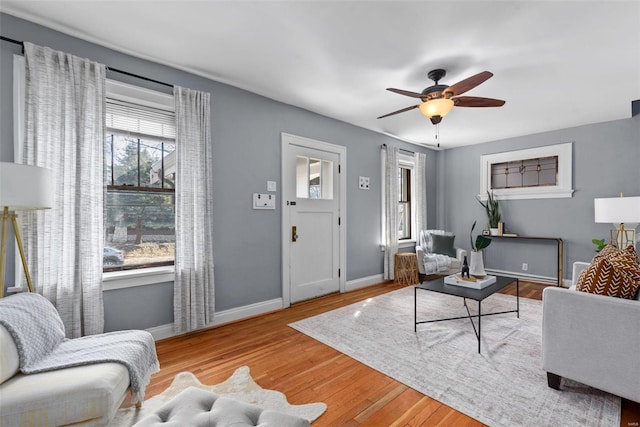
x: 492, y: 208
x: 477, y: 263
x: 600, y: 244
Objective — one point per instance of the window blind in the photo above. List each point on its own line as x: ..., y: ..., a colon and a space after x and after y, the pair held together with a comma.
x: 140, y: 121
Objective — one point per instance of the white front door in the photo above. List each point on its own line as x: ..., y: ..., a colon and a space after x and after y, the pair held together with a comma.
x: 311, y: 218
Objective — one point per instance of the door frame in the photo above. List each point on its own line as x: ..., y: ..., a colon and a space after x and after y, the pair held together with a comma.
x: 287, y: 140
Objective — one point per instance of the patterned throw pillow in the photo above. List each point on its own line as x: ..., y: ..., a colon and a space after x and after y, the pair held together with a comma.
x: 613, y: 272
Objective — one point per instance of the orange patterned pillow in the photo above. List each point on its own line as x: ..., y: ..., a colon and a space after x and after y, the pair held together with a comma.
x: 612, y: 272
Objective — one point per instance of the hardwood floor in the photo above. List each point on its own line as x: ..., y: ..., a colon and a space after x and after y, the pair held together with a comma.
x: 307, y: 371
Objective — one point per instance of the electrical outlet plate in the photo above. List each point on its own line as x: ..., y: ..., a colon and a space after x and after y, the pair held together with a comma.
x: 264, y: 201
x: 364, y: 182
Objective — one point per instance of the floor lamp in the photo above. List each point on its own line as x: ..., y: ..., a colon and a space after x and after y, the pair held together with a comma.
x: 624, y: 214
x: 22, y: 187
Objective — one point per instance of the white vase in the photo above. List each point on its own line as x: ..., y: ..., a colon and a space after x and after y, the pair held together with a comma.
x: 476, y: 269
x: 493, y: 231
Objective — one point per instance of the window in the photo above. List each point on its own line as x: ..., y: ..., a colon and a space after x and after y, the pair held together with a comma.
x: 404, y: 203
x: 140, y: 177
x: 533, y: 173
x: 314, y: 178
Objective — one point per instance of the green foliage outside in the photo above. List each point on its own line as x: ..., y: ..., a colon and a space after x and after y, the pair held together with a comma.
x: 146, y: 212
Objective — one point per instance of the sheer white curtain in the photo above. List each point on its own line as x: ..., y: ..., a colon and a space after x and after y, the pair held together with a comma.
x: 193, y: 296
x: 420, y: 192
x: 64, y: 131
x: 390, y: 208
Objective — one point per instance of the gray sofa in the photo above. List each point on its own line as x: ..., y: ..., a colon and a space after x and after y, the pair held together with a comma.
x: 592, y: 339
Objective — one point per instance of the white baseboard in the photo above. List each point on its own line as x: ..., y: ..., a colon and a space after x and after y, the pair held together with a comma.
x: 226, y: 316
x: 239, y: 313
x: 532, y: 277
x: 352, y: 285
x: 162, y: 331
x: 243, y: 312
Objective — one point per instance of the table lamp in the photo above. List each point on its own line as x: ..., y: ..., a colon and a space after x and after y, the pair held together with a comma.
x: 624, y: 214
x: 22, y: 187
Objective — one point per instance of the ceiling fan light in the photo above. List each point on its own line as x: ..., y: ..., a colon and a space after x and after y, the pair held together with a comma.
x: 436, y: 107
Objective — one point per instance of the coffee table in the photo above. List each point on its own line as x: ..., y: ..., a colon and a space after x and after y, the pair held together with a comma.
x: 478, y: 295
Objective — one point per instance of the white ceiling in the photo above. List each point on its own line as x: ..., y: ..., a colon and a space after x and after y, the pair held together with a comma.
x: 557, y: 64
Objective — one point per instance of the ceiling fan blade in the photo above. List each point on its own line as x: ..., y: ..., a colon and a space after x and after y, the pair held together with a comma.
x: 468, y: 83
x: 399, y: 111
x: 406, y: 93
x: 475, y: 101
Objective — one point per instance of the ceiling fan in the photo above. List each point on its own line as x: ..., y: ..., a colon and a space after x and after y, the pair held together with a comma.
x: 438, y: 100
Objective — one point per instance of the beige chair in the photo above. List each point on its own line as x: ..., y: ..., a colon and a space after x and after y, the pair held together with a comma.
x: 430, y: 261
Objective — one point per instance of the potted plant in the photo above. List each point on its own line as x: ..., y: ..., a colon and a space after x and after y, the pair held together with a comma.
x: 477, y: 262
x: 493, y: 212
x: 600, y: 244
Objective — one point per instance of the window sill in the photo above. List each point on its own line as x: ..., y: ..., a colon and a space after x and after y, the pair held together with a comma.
x: 142, y: 277
x: 406, y: 244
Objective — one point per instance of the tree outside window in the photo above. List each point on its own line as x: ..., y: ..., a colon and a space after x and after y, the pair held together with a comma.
x: 139, y: 202
x: 404, y: 204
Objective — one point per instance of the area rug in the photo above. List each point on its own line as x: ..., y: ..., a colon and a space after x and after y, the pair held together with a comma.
x: 503, y: 386
x: 239, y: 386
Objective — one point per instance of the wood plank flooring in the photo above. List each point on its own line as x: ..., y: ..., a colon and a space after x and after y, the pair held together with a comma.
x: 307, y: 371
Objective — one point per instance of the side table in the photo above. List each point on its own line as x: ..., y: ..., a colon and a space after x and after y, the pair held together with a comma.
x: 405, y: 271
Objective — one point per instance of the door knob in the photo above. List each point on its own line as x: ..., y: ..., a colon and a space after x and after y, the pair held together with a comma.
x: 294, y: 233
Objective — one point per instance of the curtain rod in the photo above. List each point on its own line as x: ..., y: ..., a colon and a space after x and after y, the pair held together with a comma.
x: 115, y: 70
x: 401, y: 149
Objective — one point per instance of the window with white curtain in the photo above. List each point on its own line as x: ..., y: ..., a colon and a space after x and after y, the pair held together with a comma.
x: 406, y: 214
x: 140, y: 176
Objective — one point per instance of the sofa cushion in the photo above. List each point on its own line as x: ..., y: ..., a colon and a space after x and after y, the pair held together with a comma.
x: 443, y: 245
x: 85, y: 394
x: 9, y: 361
x: 612, y: 272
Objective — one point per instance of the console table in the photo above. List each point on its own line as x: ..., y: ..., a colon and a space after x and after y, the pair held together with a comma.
x: 556, y: 239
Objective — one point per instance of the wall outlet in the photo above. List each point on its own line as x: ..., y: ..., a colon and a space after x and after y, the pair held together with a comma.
x: 264, y: 201
x: 363, y: 182
x: 525, y: 266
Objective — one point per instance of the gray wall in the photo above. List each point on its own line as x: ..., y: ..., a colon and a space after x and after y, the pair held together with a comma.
x: 246, y: 131
x: 606, y: 161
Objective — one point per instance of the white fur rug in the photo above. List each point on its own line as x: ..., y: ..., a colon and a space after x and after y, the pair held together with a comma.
x: 239, y: 386
x: 503, y: 386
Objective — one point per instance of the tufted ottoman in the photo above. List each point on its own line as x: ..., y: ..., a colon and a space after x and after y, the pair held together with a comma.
x: 200, y: 408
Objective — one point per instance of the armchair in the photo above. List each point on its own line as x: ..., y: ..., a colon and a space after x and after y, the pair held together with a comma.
x: 433, y: 260
x: 592, y: 339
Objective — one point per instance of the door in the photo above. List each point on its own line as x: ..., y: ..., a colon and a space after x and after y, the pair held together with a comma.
x: 311, y: 219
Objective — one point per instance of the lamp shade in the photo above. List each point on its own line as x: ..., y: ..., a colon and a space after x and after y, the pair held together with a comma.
x: 24, y: 187
x: 617, y: 210
x: 436, y: 107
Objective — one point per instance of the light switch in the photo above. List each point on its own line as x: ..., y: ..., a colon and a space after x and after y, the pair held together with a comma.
x: 271, y: 186
x: 264, y: 201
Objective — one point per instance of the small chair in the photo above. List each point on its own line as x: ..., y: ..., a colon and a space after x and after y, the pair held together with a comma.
x: 439, y: 253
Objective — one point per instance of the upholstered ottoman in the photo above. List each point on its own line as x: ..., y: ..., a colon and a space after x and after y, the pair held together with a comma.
x: 200, y: 408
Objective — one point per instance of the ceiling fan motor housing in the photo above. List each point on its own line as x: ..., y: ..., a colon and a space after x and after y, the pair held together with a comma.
x: 433, y: 92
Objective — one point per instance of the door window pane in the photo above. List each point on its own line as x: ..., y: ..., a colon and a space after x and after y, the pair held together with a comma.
x: 314, y: 178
